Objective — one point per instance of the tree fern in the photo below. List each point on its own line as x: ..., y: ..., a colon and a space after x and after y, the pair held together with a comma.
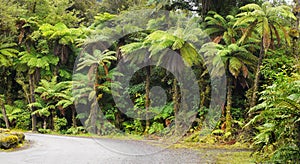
x: 7, y: 53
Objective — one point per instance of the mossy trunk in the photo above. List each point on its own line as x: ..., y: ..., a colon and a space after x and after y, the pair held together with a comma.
x: 6, y: 120
x: 147, y: 101
x: 51, y: 120
x: 45, y: 123
x: 73, y: 116
x: 228, y: 105
x: 176, y: 105
x: 32, y: 100
x: 296, y: 11
x: 175, y: 97
x: 9, y: 94
x: 93, y: 112
x: 93, y: 118
x: 257, y: 76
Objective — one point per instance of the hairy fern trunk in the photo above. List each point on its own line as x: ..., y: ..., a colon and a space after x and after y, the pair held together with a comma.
x: 228, y: 104
x: 32, y: 99
x: 147, y: 101
x: 6, y: 120
x: 257, y: 76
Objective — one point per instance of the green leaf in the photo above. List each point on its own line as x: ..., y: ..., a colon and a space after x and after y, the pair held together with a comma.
x: 235, y: 66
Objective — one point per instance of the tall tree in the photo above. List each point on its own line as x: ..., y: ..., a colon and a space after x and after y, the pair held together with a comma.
x: 92, y: 62
x: 238, y: 62
x: 267, y: 20
x: 157, y: 44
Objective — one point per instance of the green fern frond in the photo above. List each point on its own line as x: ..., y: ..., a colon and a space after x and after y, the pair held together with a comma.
x: 235, y: 66
x: 129, y: 48
x: 250, y: 7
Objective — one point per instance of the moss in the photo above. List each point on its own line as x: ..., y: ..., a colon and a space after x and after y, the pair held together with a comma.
x: 21, y: 136
x: 8, y: 141
x: 235, y: 157
x: 4, y: 130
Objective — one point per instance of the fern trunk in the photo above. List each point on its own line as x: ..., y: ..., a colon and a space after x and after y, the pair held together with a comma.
x: 176, y: 104
x: 32, y: 99
x: 228, y: 105
x: 147, y: 101
x: 3, y: 110
x: 296, y: 26
x: 73, y: 116
x: 9, y: 93
x: 93, y: 112
x: 92, y: 118
x: 45, y: 123
x: 175, y: 97
x: 257, y: 76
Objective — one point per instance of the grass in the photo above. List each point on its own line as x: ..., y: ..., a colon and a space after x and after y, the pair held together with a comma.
x: 235, y: 158
x: 237, y: 153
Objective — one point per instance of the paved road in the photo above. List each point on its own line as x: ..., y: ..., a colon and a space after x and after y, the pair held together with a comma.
x: 51, y: 149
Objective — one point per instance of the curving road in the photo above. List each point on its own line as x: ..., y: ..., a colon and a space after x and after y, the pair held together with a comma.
x: 51, y: 149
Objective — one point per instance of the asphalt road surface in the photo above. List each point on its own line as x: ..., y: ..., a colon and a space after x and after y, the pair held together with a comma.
x: 51, y: 149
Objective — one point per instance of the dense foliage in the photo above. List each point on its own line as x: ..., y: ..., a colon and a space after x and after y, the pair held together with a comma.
x: 254, y: 43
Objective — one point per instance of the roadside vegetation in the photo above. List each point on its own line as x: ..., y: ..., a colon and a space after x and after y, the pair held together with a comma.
x: 256, y: 41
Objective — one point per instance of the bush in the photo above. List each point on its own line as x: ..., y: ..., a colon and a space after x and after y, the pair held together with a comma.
x: 60, y: 124
x: 156, y: 128
x: 44, y: 131
x: 277, y: 122
x: 76, y: 130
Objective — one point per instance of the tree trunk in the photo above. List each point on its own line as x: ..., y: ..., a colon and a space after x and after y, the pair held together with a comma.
x: 175, y: 97
x: 9, y: 93
x: 176, y: 105
x: 147, y: 101
x: 228, y: 105
x: 296, y: 26
x: 73, y: 116
x: 32, y: 99
x: 51, y: 120
x: 93, y: 112
x: 45, y: 123
x: 297, y: 12
x: 257, y: 77
x: 206, y: 5
x: 93, y: 118
x: 3, y: 110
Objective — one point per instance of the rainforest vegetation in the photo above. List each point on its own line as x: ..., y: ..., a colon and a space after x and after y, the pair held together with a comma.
x: 50, y: 48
